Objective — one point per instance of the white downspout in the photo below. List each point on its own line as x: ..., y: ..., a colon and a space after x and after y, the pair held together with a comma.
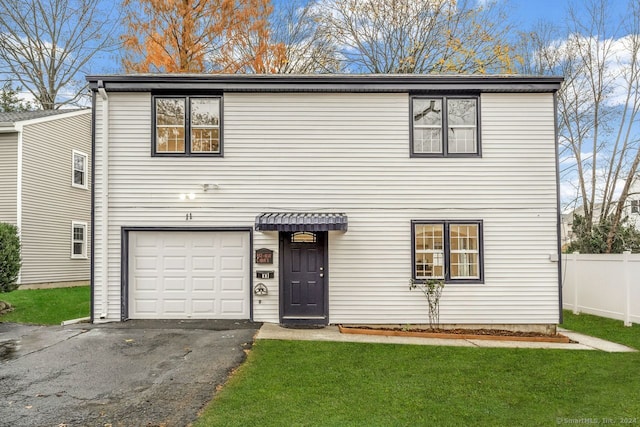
x: 104, y: 212
x: 19, y: 129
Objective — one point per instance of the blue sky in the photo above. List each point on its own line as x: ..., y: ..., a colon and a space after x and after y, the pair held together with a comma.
x: 528, y: 12
x: 531, y: 11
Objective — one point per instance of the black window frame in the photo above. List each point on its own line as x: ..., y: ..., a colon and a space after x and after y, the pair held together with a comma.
x: 187, y: 124
x: 445, y: 125
x: 447, y: 250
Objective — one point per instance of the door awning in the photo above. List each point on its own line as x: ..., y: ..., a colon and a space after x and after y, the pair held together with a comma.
x: 298, y: 221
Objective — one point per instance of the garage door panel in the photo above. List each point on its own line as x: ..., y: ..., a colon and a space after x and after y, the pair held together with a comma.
x: 170, y: 242
x: 145, y: 283
x: 174, y: 306
x: 204, y: 306
x: 175, y: 284
x: 232, y: 306
x: 146, y: 306
x: 204, y: 241
x: 174, y: 263
x: 232, y: 284
x: 203, y: 284
x: 147, y: 241
x: 146, y: 263
x: 203, y: 263
x: 175, y: 274
x: 231, y: 263
x: 232, y: 241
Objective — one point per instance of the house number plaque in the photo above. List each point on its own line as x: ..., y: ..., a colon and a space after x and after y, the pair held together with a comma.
x: 264, y: 256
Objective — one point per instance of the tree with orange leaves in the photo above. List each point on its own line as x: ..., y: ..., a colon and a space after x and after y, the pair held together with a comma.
x: 195, y: 36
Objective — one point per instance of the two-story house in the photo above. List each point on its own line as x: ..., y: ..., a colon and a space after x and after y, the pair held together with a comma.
x: 316, y: 199
x: 45, y: 190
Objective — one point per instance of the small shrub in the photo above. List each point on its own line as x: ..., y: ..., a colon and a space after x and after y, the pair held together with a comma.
x: 9, y: 257
x: 432, y: 290
x: 593, y: 240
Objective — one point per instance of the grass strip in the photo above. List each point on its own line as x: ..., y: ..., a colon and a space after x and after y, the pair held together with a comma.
x: 47, y: 306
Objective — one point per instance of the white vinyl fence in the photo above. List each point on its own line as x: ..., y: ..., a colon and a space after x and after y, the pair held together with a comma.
x: 602, y: 284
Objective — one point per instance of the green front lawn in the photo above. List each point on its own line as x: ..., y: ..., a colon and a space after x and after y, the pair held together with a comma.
x: 47, y: 306
x: 350, y: 384
x: 601, y: 327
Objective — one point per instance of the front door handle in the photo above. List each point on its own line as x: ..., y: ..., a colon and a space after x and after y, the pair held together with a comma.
x: 321, y: 274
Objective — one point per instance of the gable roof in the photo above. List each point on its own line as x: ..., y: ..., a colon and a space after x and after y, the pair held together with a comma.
x: 21, y: 116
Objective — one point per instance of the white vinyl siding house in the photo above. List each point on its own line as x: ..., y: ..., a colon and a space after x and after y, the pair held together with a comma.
x: 37, y: 191
x: 341, y: 148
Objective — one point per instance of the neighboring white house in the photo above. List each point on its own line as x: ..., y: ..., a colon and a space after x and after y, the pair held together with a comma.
x: 45, y: 189
x: 633, y: 206
x: 316, y: 199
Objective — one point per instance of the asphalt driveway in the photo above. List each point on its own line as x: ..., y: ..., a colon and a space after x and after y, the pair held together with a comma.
x: 136, y: 373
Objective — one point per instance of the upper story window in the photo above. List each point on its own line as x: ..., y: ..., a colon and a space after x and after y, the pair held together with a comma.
x: 444, y: 126
x: 635, y: 206
x: 448, y: 250
x: 187, y: 126
x: 79, y: 168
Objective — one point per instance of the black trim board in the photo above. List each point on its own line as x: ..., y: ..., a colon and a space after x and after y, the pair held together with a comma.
x: 124, y: 259
x: 325, y: 82
x: 559, y: 213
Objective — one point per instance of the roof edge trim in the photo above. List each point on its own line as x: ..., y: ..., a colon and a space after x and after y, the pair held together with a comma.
x: 325, y: 83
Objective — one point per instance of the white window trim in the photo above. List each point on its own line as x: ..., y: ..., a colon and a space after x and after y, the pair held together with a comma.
x: 82, y: 224
x: 86, y: 170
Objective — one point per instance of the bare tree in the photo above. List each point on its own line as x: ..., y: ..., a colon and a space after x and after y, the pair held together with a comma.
x: 419, y: 36
x: 295, y: 25
x: 45, y: 45
x: 598, y: 104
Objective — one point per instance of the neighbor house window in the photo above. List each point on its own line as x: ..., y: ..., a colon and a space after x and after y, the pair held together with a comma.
x: 444, y: 126
x: 635, y: 206
x: 78, y: 240
x: 79, y: 167
x: 187, y: 126
x: 448, y: 250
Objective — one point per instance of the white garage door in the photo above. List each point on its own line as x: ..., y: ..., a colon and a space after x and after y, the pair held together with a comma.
x: 189, y: 275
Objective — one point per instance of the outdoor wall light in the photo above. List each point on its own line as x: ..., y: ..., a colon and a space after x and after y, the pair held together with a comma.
x: 207, y: 187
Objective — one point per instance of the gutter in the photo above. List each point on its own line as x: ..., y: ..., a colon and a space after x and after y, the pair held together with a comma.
x: 104, y: 209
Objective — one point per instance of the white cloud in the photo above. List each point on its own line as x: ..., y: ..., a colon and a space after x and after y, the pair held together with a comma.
x: 614, y: 56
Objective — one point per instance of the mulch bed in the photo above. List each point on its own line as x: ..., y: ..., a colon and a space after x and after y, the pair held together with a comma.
x: 478, y: 334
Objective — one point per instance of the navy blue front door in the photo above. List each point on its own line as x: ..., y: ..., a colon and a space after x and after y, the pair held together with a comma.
x: 303, y: 296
